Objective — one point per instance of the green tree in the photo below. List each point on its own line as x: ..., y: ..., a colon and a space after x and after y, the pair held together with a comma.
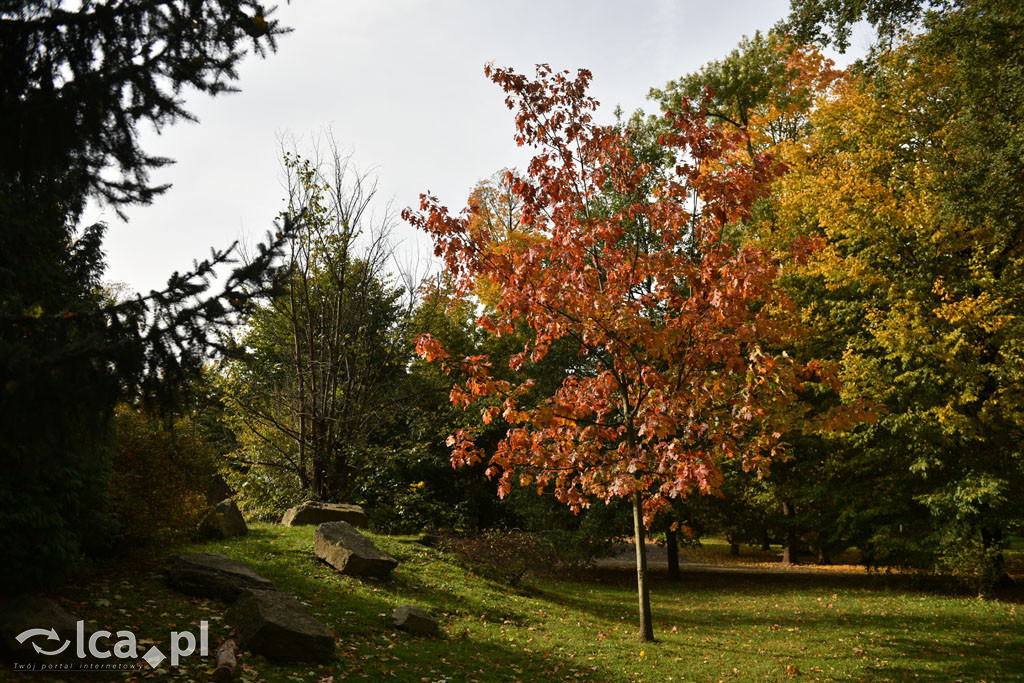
x: 76, y: 81
x: 765, y: 91
x: 832, y: 21
x: 410, y: 485
x: 327, y: 354
x: 912, y: 178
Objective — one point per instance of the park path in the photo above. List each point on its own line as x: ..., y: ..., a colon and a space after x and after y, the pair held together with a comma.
x: 624, y: 557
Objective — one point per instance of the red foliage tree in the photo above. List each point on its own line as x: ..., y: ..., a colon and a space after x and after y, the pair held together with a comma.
x: 674, y: 325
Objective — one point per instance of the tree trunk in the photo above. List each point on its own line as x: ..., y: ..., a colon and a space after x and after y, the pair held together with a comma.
x: 766, y: 541
x: 317, y: 474
x: 789, y: 543
x: 643, y: 593
x: 992, y: 539
x: 672, y: 546
x: 824, y: 557
x: 318, y: 461
x: 734, y: 549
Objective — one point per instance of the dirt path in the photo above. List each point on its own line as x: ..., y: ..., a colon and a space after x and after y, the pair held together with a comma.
x: 624, y: 557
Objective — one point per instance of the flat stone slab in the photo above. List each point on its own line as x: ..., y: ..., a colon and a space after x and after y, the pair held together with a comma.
x: 340, y: 545
x: 212, y: 575
x: 224, y: 520
x: 33, y: 613
x: 414, y: 620
x: 279, y: 627
x: 318, y: 513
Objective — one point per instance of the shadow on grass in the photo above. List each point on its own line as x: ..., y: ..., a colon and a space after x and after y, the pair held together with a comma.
x: 882, y: 625
x: 358, y: 610
x: 131, y: 594
x: 879, y: 627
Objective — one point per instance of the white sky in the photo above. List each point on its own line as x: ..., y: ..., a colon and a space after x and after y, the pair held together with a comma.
x: 400, y: 84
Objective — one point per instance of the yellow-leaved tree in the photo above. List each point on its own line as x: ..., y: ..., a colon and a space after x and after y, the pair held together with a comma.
x: 888, y: 180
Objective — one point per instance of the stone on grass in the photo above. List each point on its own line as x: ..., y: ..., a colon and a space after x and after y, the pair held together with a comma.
x: 212, y: 575
x: 224, y: 520
x: 279, y: 627
x: 341, y: 546
x: 27, y: 612
x: 414, y: 620
x: 318, y: 513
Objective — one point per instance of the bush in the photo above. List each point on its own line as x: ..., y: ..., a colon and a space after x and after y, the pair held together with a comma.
x: 51, y: 509
x: 413, y: 488
x: 579, y: 537
x: 160, y: 473
x: 262, y: 492
x: 504, y: 556
x: 412, y: 508
x: 973, y: 566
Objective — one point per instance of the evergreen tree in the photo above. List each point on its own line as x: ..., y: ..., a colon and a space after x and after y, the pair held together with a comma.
x: 75, y: 83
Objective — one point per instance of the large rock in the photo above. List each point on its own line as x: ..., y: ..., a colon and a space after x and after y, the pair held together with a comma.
x: 280, y: 627
x: 224, y: 520
x: 28, y: 612
x: 341, y: 546
x: 318, y: 513
x: 414, y: 620
x: 212, y: 575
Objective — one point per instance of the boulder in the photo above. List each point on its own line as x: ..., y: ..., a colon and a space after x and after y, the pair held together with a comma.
x: 224, y: 520
x: 28, y: 612
x: 341, y: 546
x: 279, y: 627
x: 212, y: 575
x: 318, y: 513
x: 414, y: 620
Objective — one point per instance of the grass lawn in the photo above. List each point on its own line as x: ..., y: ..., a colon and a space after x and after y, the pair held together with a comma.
x: 710, y: 626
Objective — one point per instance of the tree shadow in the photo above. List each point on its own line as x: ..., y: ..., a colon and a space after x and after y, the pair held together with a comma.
x: 884, y: 645
x: 731, y: 615
x: 356, y: 610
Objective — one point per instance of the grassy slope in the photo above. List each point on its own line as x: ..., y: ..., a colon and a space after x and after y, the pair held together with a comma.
x: 711, y: 627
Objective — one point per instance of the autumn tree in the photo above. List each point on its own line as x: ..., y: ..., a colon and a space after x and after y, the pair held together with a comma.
x: 671, y: 322
x: 906, y: 171
x: 909, y: 177
x: 766, y: 91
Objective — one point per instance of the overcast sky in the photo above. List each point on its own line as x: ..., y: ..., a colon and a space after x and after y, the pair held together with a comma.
x: 400, y: 84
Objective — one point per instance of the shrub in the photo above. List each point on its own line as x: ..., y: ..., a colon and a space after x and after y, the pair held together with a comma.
x: 51, y: 509
x: 262, y: 492
x: 975, y: 567
x: 504, y: 556
x: 160, y: 473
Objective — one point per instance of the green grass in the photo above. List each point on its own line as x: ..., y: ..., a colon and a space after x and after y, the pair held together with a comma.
x: 710, y: 627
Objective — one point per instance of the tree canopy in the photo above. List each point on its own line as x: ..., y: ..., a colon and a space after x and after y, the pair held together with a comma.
x: 674, y: 326
x: 76, y: 82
